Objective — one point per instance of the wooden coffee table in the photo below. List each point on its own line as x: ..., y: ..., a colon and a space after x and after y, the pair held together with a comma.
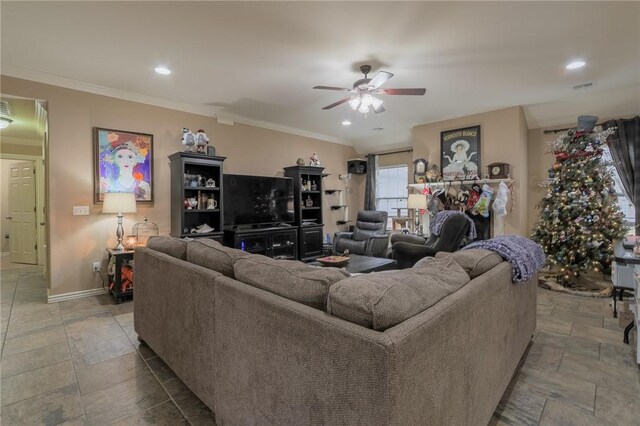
x: 363, y: 264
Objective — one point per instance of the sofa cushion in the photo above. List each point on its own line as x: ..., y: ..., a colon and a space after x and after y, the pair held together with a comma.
x: 174, y: 247
x: 383, y: 299
x: 213, y: 255
x: 288, y: 278
x: 422, y: 262
x: 474, y: 261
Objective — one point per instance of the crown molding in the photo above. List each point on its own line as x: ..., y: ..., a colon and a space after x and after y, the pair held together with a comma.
x: 68, y: 83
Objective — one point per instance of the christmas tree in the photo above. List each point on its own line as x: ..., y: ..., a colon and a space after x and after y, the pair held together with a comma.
x: 579, y: 216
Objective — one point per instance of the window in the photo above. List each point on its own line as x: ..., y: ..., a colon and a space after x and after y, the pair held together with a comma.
x: 623, y: 201
x: 391, y: 190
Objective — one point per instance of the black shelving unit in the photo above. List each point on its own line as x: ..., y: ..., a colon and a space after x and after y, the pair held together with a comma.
x: 307, y: 185
x: 184, y: 219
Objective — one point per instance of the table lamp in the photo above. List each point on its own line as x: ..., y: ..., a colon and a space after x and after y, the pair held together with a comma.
x: 417, y: 202
x: 119, y: 203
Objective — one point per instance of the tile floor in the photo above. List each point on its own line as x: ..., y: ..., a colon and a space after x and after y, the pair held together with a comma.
x: 79, y: 362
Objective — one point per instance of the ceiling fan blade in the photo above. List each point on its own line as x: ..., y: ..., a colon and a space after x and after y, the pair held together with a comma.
x: 340, y: 102
x: 339, y: 89
x: 379, y: 110
x: 416, y: 92
x: 380, y: 79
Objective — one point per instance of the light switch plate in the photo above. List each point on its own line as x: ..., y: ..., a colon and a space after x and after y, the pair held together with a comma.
x: 81, y: 210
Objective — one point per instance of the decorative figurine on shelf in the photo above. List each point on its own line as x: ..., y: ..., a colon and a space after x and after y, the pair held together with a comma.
x: 314, y: 186
x: 211, y: 183
x: 314, y: 160
x: 188, y: 140
x: 202, y: 140
x: 300, y: 162
x: 309, y: 201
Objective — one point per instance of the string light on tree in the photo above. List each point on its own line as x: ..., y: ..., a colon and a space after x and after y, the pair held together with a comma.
x: 579, y: 214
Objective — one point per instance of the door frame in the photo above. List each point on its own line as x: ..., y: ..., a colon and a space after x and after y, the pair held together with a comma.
x: 41, y: 196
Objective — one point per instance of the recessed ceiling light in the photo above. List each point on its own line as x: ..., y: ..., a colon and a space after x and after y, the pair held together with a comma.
x: 346, y: 123
x: 163, y: 70
x: 575, y: 65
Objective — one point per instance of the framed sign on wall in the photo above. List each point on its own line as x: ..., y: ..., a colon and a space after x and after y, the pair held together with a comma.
x: 460, y: 153
x: 123, y: 163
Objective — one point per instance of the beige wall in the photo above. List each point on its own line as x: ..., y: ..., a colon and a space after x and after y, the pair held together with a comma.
x: 503, y: 139
x: 15, y: 149
x: 77, y: 241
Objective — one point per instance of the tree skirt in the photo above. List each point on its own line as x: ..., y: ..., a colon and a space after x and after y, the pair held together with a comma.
x: 587, y: 285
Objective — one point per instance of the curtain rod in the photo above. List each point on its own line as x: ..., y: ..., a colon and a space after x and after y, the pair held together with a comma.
x: 391, y: 152
x: 547, y: 131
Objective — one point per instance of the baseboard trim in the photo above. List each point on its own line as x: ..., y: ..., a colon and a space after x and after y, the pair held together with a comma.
x: 75, y: 295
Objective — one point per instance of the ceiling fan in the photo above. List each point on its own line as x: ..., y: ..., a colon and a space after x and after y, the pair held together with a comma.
x: 362, y: 97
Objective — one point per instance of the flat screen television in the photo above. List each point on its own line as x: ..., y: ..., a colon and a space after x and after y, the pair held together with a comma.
x: 257, y: 200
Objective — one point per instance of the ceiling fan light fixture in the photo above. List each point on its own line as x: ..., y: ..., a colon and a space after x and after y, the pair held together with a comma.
x: 354, y: 103
x: 376, y: 103
x: 4, y: 122
x: 367, y: 99
x: 363, y: 108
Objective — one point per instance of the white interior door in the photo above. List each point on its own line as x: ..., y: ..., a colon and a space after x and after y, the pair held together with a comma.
x: 22, y: 208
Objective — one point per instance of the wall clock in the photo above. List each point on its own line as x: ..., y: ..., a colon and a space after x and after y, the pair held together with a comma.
x: 499, y: 170
x: 419, y: 170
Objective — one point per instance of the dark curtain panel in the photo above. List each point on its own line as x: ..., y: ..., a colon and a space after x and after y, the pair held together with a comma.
x: 624, y: 145
x: 370, y: 183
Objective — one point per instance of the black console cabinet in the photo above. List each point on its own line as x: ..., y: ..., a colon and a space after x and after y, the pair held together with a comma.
x: 277, y: 242
x: 307, y: 202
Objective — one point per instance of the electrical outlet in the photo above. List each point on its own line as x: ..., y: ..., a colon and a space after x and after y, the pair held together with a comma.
x: 96, y: 266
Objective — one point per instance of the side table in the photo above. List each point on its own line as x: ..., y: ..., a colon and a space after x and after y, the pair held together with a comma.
x: 120, y: 273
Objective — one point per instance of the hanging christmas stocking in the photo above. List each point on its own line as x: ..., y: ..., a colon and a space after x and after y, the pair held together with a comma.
x: 502, y: 197
x: 482, y: 206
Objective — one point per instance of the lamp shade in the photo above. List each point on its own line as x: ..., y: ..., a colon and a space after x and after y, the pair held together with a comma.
x: 119, y: 202
x: 417, y: 201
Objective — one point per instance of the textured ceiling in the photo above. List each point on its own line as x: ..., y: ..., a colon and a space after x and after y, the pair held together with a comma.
x: 260, y: 60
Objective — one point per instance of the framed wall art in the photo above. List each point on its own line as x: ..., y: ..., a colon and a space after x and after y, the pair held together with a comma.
x: 460, y: 153
x: 123, y: 163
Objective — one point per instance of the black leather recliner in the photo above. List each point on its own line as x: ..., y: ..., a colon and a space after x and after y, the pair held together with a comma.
x: 408, y: 249
x: 369, y: 238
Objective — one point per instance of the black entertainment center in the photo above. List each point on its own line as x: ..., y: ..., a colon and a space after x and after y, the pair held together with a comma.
x: 259, y: 215
x: 279, y: 217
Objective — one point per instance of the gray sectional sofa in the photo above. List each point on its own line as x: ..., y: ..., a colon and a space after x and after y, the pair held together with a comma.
x: 279, y: 342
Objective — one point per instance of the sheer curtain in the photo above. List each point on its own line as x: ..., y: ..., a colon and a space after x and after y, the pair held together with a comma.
x: 624, y: 146
x: 370, y: 183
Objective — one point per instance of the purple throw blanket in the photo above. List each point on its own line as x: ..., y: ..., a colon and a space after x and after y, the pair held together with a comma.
x: 441, y: 217
x: 526, y: 256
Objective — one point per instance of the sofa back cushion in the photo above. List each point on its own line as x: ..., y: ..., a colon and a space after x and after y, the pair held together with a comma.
x: 213, y: 255
x: 174, y: 247
x: 383, y: 299
x: 474, y: 261
x: 288, y: 278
